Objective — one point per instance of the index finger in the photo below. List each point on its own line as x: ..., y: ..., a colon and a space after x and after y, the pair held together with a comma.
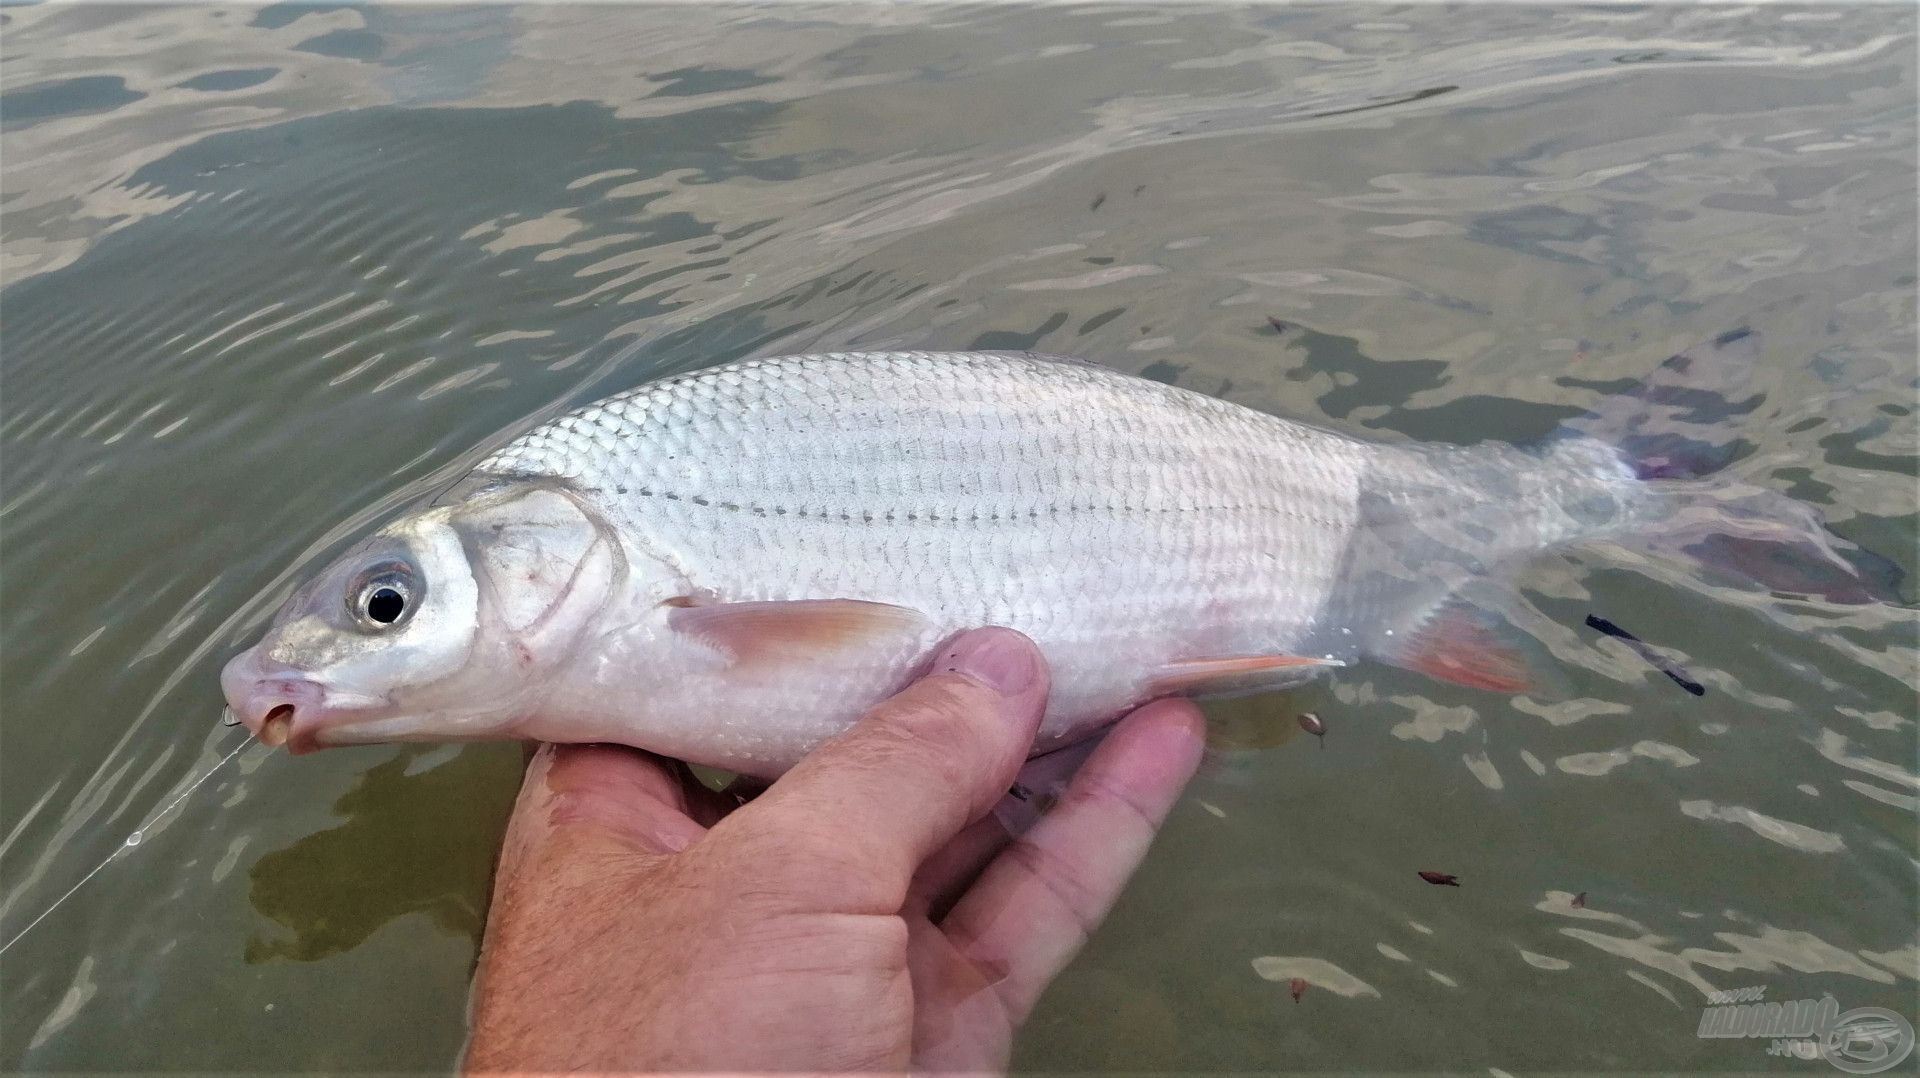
x: 1040, y: 900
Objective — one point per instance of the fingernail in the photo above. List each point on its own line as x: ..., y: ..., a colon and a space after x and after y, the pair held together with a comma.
x: 1002, y: 659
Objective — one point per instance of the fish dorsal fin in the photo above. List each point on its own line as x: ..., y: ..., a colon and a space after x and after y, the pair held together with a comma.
x: 796, y: 629
x: 1218, y: 673
x: 1462, y: 643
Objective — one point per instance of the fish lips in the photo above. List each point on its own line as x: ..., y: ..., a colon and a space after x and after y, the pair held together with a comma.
x: 279, y: 705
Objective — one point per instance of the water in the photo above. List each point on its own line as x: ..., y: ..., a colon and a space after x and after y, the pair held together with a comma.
x: 272, y: 274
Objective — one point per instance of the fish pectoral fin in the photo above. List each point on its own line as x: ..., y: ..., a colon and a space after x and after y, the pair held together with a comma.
x: 1466, y: 645
x: 1214, y: 674
x: 793, y: 630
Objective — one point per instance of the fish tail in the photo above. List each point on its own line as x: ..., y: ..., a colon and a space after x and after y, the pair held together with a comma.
x: 1677, y: 432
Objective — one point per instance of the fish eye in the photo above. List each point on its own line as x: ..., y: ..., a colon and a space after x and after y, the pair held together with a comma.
x: 383, y: 596
x: 385, y: 605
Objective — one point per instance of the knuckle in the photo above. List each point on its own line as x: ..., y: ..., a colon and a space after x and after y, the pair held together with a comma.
x: 848, y: 866
x: 940, y: 720
x: 1117, y: 804
x: 830, y: 942
x: 807, y: 867
x: 939, y: 706
x: 944, y: 735
x: 1064, y: 882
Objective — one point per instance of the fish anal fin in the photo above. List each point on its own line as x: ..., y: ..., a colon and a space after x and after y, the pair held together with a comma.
x: 1216, y: 673
x: 794, y: 630
x: 1460, y: 643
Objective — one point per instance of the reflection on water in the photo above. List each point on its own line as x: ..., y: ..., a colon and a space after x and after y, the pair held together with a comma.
x: 273, y: 273
x: 428, y: 821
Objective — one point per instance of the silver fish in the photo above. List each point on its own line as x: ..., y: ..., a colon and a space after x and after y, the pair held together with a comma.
x: 730, y: 566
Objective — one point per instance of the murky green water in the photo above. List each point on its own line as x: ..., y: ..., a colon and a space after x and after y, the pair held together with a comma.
x: 270, y: 274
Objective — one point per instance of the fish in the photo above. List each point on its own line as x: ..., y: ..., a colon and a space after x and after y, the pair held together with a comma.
x: 730, y: 566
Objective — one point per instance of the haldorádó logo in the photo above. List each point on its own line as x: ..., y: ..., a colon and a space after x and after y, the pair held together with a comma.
x: 1864, y: 1040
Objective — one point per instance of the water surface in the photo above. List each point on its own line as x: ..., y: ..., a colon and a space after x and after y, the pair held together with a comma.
x: 272, y: 274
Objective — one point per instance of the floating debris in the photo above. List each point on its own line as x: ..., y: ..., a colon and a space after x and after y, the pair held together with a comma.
x: 1312, y: 724
x: 1653, y: 658
x: 1440, y: 879
x: 1297, y: 986
x: 1278, y: 325
x: 1580, y: 901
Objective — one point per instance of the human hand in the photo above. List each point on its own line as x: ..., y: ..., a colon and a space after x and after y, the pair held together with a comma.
x: 864, y: 913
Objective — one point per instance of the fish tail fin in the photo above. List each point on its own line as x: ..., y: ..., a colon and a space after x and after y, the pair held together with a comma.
x: 1676, y: 432
x: 1747, y: 535
x: 1677, y: 423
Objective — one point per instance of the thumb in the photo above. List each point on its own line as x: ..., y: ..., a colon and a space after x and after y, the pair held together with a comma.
x: 849, y: 825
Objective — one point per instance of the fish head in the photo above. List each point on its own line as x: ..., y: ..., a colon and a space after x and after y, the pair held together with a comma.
x: 447, y: 625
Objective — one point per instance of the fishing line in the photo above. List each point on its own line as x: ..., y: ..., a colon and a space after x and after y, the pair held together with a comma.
x: 131, y: 841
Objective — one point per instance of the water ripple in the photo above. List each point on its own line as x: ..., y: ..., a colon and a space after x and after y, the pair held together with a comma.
x: 273, y: 275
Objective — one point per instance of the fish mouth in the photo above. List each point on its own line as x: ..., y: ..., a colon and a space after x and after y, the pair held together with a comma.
x: 300, y: 727
x: 276, y: 727
x: 283, y: 709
